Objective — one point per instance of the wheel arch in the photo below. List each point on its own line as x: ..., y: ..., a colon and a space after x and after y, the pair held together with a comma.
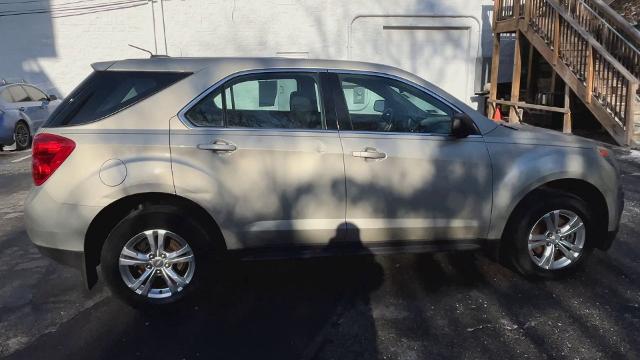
x: 584, y: 190
x: 112, y: 214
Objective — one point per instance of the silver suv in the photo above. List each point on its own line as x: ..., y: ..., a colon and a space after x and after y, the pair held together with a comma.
x: 155, y: 168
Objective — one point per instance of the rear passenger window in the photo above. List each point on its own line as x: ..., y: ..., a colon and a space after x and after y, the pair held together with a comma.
x: 6, y: 96
x: 208, y: 111
x: 270, y: 100
x: 35, y: 94
x: 275, y: 101
x: 18, y: 93
x: 104, y: 93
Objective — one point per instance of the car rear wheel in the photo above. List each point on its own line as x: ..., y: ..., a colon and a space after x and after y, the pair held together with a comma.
x: 22, y: 136
x: 550, y: 234
x: 155, y: 256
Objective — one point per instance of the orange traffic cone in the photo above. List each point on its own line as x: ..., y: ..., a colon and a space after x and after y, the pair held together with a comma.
x: 497, y: 115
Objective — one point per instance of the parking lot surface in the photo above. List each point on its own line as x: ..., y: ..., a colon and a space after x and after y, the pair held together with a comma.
x: 459, y: 305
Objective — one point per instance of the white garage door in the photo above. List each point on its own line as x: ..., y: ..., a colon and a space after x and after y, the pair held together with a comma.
x: 442, y: 50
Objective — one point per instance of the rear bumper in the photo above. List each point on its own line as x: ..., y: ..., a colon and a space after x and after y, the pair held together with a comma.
x: 59, y: 229
x: 74, y: 259
x: 54, y: 224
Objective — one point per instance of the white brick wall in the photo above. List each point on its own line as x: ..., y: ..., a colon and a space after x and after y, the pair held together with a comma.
x: 55, y: 50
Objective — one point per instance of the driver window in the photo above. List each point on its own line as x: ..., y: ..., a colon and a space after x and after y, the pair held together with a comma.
x: 386, y: 105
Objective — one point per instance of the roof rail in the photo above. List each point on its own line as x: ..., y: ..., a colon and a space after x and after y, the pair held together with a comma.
x: 4, y: 81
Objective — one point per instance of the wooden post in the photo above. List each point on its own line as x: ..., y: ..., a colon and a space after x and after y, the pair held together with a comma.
x: 590, y: 74
x: 530, y: 73
x: 495, y: 63
x: 556, y: 37
x: 515, y: 79
x: 496, y: 9
x: 566, y: 123
x: 527, y: 12
x: 516, y: 10
x: 630, y: 111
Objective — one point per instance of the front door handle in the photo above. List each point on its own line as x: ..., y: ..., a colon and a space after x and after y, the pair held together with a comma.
x: 370, y: 153
x: 218, y: 146
x: 22, y: 108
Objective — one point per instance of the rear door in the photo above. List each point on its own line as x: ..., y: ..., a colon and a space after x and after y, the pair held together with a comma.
x: 29, y: 109
x: 407, y: 179
x: 39, y: 106
x: 257, y: 152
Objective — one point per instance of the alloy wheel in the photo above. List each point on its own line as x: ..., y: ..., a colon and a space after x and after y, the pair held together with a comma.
x: 21, y: 136
x: 157, y: 263
x: 557, y: 239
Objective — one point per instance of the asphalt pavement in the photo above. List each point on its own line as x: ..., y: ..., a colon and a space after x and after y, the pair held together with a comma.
x: 446, y: 305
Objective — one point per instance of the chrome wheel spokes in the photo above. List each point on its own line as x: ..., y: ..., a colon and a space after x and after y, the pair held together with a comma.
x: 156, y: 263
x: 22, y: 135
x: 556, y: 239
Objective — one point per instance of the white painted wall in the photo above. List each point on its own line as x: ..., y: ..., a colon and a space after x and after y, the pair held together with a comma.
x: 445, y: 41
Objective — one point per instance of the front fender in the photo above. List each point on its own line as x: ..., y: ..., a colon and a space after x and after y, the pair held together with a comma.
x: 519, y: 169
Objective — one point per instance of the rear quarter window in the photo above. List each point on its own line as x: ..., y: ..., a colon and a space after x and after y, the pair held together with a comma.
x: 6, y: 96
x: 104, y: 93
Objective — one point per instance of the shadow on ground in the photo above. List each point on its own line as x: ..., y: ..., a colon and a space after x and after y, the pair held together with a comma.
x: 457, y: 305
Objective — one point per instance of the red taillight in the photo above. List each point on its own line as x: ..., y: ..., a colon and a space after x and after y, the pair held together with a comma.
x: 49, y: 152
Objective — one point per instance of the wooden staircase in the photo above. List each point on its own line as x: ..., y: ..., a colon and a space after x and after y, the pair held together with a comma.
x: 589, y: 46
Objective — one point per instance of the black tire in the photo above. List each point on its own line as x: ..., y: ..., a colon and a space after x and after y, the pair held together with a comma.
x: 149, y: 218
x: 22, y: 135
x: 524, y: 218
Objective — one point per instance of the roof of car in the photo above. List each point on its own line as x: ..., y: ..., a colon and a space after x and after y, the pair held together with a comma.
x: 235, y: 64
x: 224, y: 66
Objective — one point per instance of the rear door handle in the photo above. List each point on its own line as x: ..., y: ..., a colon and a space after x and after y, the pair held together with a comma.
x: 369, y: 153
x: 218, y: 146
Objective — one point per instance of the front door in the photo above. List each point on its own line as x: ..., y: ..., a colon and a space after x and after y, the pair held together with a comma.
x: 263, y: 162
x: 406, y: 178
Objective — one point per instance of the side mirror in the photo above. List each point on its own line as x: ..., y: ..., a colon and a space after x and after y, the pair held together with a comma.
x: 462, y: 126
x: 378, y: 106
x: 52, y: 97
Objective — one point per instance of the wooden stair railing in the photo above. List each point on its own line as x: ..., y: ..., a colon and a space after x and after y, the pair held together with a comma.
x: 600, y: 63
x: 610, y: 29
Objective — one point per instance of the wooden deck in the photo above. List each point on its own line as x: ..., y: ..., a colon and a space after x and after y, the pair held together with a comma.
x: 589, y: 46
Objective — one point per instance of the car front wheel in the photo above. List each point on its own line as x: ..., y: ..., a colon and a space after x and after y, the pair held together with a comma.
x: 551, y: 234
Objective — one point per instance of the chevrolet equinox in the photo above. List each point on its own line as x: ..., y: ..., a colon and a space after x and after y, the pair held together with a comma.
x: 156, y: 168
